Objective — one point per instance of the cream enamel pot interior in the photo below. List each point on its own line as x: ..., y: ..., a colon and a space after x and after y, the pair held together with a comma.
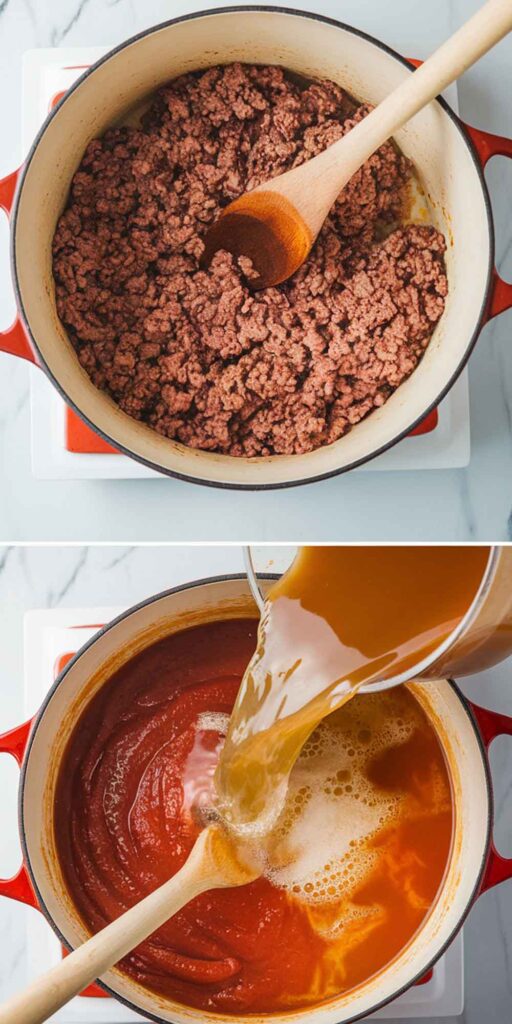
x: 448, y: 156
x: 464, y: 732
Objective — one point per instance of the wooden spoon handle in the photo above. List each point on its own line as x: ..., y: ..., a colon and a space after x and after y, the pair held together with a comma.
x: 48, y: 993
x: 341, y: 160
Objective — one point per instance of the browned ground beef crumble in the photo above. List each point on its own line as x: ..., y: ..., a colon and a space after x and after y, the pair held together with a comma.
x: 195, y: 354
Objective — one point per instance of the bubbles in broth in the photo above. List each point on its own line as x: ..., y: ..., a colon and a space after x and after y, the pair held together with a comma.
x: 370, y: 775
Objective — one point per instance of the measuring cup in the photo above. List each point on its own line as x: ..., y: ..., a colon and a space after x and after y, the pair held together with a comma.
x: 482, y: 638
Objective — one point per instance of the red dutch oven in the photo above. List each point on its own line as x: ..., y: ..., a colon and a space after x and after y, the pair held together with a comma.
x: 465, y: 732
x: 448, y: 155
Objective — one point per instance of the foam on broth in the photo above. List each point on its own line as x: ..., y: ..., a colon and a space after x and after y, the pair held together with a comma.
x: 330, y: 796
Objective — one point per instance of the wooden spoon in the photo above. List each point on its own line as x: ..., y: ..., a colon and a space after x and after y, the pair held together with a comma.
x: 277, y: 223
x: 213, y: 864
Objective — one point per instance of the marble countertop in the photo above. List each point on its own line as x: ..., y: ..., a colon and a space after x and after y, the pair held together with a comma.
x: 68, y: 577
x: 473, y: 503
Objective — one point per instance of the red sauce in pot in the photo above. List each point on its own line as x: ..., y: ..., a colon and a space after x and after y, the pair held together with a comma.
x: 145, y: 750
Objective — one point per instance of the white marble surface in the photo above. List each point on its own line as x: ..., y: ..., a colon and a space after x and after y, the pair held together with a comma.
x: 72, y: 577
x: 447, y: 505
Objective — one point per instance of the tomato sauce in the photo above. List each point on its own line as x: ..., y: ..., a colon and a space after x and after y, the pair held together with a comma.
x: 139, y: 763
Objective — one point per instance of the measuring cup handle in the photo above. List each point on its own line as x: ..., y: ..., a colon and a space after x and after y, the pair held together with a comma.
x: 490, y: 725
x: 14, y: 340
x: 19, y: 887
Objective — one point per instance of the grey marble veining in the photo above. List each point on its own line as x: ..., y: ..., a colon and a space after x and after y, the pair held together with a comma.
x: 436, y: 505
x: 76, y: 576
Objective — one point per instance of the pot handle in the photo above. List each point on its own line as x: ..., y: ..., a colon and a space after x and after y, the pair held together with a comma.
x: 13, y: 340
x: 18, y: 887
x: 490, y: 725
x: 488, y: 145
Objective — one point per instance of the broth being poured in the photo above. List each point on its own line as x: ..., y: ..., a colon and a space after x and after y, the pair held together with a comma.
x: 340, y: 618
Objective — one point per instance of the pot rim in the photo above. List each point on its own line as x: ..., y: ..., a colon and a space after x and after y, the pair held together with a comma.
x: 250, y: 8
x: 38, y: 718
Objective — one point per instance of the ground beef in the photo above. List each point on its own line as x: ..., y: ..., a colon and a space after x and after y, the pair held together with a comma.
x: 196, y: 354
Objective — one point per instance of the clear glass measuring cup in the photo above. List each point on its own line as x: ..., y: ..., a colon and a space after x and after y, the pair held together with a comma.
x: 482, y: 638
